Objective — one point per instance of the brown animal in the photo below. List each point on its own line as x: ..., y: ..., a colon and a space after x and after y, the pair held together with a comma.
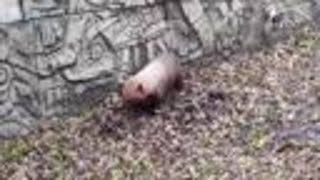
x: 152, y: 83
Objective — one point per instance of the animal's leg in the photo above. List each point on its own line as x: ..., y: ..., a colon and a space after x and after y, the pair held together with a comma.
x: 178, y: 82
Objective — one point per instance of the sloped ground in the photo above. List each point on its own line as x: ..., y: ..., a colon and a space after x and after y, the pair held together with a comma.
x: 246, y: 117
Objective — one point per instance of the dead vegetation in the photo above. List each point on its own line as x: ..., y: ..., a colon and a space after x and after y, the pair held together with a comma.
x: 240, y: 118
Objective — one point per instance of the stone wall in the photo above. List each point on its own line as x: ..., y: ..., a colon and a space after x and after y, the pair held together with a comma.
x: 60, y: 56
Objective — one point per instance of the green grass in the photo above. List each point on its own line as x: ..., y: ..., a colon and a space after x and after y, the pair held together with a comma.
x: 15, y: 150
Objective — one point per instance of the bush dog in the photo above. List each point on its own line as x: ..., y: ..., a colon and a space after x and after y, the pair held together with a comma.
x: 153, y: 82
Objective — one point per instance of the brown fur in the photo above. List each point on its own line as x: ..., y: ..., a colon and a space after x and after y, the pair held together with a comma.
x: 150, y: 85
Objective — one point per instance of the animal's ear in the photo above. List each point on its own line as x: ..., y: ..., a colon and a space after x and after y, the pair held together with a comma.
x: 140, y: 88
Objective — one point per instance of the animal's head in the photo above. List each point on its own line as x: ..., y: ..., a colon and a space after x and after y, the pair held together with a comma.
x: 136, y: 93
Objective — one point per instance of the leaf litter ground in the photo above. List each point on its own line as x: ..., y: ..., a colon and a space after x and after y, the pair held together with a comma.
x: 250, y: 116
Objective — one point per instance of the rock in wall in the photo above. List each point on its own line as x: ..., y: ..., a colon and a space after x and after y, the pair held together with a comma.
x: 60, y: 56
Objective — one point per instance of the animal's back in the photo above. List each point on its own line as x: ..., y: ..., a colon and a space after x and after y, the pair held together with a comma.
x: 163, y: 70
x: 154, y: 79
